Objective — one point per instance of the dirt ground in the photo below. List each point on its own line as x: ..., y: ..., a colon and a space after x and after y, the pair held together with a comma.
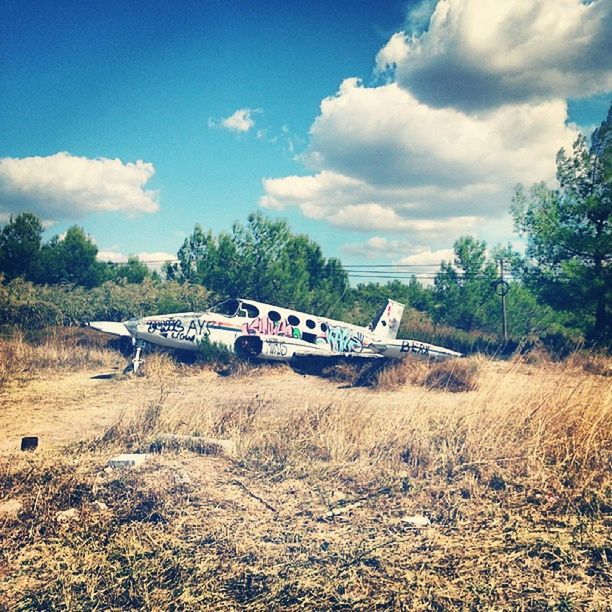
x: 63, y: 408
x: 330, y: 530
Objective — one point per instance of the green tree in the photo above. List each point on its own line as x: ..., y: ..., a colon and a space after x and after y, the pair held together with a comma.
x: 265, y: 261
x: 369, y: 297
x: 569, y: 235
x: 20, y: 246
x: 72, y: 259
x: 462, y: 289
x: 133, y: 271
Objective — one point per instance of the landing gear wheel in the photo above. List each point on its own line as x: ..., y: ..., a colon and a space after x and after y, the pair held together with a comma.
x: 135, y: 363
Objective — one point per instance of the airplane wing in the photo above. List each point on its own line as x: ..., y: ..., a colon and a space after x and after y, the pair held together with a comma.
x: 398, y: 349
x: 110, y: 327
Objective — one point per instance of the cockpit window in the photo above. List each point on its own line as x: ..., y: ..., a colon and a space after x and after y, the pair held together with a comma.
x: 227, y: 308
x: 248, y: 310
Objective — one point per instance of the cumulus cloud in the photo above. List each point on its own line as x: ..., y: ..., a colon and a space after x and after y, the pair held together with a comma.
x: 375, y: 246
x: 478, y: 54
x: 379, y: 246
x: 239, y: 122
x: 427, y: 257
x: 384, y: 161
x: 474, y: 101
x: 65, y: 186
x: 155, y: 260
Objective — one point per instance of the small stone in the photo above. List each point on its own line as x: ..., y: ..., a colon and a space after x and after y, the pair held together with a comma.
x: 182, y: 478
x: 99, y: 506
x: 418, y: 521
x: 128, y: 460
x: 108, y: 470
x: 10, y: 509
x: 64, y: 516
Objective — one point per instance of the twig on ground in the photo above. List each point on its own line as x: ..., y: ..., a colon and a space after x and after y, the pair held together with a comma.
x: 253, y: 495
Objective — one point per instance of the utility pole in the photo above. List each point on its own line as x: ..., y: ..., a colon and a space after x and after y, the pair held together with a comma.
x: 501, y: 288
x: 504, y: 286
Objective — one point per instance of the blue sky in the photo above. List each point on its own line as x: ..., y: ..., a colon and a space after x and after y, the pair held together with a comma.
x: 384, y: 130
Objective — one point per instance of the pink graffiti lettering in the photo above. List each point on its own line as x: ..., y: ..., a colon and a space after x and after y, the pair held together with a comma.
x: 266, y: 327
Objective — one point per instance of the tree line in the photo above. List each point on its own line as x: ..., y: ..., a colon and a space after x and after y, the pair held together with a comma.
x: 562, y: 284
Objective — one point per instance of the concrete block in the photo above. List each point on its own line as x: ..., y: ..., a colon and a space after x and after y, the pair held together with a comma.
x: 417, y: 521
x: 10, y: 509
x: 128, y: 460
x: 65, y: 516
x: 99, y: 506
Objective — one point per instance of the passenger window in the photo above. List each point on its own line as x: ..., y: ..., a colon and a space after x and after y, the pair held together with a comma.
x: 310, y: 324
x: 323, y: 327
x: 274, y: 316
x: 293, y: 320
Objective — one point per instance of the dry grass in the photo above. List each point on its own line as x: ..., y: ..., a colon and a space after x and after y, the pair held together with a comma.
x: 310, y: 512
x: 59, y: 350
x: 453, y: 376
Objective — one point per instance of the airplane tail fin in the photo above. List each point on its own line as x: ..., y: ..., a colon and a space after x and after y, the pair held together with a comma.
x: 387, y: 321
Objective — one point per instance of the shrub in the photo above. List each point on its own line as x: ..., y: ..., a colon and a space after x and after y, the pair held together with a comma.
x: 454, y: 376
x: 28, y: 305
x: 218, y: 356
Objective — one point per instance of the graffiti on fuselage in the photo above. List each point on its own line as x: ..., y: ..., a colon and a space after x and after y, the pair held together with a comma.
x: 414, y: 347
x: 277, y: 347
x: 175, y: 329
x: 344, y: 339
x: 266, y: 327
x: 339, y: 338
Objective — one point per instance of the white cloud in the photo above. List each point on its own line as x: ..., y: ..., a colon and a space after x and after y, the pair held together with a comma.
x: 112, y: 256
x: 239, y: 122
x: 379, y: 247
x: 394, y: 53
x: 155, y: 260
x: 419, y: 260
x: 64, y: 186
x: 386, y: 162
x: 478, y: 54
x: 474, y: 102
x: 156, y: 256
x: 428, y: 258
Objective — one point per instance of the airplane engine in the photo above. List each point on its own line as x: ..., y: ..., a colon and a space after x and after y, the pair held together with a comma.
x: 248, y: 346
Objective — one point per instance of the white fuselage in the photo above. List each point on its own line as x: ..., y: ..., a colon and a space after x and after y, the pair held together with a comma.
x: 270, y: 332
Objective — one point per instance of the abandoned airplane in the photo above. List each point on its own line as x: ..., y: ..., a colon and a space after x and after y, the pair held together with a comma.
x: 262, y: 331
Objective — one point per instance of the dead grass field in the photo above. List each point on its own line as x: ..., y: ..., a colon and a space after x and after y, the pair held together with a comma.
x: 312, y: 506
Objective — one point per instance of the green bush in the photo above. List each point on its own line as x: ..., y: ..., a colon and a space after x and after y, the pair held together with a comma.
x: 218, y: 356
x: 27, y: 305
